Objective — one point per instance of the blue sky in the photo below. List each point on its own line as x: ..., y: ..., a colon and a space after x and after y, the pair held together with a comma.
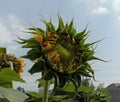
x: 101, y: 16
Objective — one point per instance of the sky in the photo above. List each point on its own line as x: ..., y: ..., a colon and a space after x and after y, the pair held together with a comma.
x: 101, y: 16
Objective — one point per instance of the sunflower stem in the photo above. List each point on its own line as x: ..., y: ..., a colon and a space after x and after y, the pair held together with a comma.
x: 11, y: 66
x: 45, y: 94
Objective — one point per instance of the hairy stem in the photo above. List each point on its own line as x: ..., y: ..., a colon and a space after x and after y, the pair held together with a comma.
x: 45, y: 94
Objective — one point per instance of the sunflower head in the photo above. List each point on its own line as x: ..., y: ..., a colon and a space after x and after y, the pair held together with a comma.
x: 17, y: 63
x: 60, y: 52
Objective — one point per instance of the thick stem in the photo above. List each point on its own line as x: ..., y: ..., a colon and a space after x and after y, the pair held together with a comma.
x: 45, y: 94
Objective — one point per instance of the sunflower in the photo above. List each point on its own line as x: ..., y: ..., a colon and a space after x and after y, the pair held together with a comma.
x: 61, y: 54
x: 11, y: 61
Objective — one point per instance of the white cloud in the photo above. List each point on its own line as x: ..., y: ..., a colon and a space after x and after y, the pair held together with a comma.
x: 12, y: 47
x: 15, y: 23
x: 17, y: 26
x: 100, y: 10
x: 5, y: 34
x: 116, y: 5
x: 9, y: 28
x: 103, y: 1
x: 83, y: 0
x: 118, y: 18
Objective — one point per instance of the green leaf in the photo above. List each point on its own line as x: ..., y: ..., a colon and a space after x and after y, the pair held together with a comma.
x: 34, y: 94
x: 5, y: 84
x: 69, y: 88
x: 37, y: 67
x: 84, y: 89
x: 58, y: 98
x: 34, y: 53
x: 41, y: 82
x: 8, y: 75
x: 13, y: 95
x: 74, y: 82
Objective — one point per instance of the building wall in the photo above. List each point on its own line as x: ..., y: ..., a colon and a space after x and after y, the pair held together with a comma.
x: 114, y: 93
x: 115, y: 96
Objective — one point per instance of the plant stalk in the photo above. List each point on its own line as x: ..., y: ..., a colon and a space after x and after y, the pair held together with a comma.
x: 45, y: 94
x: 11, y: 66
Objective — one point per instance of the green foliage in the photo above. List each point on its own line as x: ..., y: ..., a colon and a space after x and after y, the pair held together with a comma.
x: 9, y: 75
x: 100, y: 95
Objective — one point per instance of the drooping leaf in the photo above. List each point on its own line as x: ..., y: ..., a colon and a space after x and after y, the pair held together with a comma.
x: 33, y: 54
x: 9, y: 75
x: 37, y: 67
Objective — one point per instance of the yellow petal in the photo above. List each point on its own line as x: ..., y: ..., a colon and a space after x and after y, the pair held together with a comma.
x: 20, y: 71
x: 47, y: 45
x: 39, y: 37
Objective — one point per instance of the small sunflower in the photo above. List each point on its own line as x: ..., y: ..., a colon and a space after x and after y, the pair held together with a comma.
x: 17, y: 63
x: 61, y: 53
